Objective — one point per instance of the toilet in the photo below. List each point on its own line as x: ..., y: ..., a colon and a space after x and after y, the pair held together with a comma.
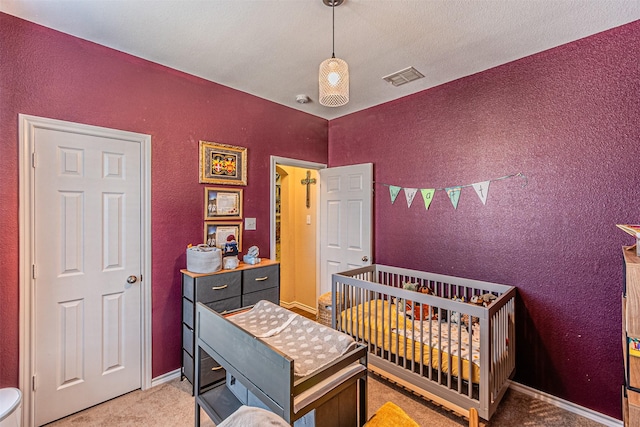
x: 10, y: 407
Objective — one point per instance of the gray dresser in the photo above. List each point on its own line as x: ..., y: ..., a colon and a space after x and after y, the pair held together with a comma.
x: 222, y: 291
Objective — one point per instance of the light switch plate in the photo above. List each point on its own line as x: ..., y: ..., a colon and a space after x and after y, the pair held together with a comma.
x: 249, y: 223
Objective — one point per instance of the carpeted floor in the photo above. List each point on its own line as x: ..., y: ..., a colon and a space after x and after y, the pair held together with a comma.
x: 171, y: 404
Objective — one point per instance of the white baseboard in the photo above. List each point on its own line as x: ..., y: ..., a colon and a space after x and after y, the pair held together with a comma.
x: 298, y: 305
x: 566, y: 405
x: 164, y: 378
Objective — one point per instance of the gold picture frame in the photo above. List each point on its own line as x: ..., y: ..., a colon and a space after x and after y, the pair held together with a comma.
x: 222, y: 203
x: 216, y: 233
x: 222, y: 164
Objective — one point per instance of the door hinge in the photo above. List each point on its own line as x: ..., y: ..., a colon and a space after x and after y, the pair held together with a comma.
x: 33, y: 271
x: 33, y: 159
x: 33, y: 383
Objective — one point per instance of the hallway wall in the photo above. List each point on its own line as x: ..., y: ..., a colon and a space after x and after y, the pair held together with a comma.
x: 298, y: 239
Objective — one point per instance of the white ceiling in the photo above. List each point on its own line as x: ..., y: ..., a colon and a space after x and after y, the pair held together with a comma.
x: 272, y: 48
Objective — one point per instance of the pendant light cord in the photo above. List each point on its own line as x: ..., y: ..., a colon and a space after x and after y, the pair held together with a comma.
x: 333, y: 29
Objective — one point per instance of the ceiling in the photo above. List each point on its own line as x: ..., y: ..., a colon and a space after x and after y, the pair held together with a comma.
x: 273, y: 48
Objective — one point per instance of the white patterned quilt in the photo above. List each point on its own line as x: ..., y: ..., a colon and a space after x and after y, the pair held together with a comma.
x: 310, y: 344
x: 440, y: 334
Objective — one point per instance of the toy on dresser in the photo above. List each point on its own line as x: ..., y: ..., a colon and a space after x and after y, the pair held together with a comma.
x: 252, y: 256
x: 231, y: 247
x: 230, y: 253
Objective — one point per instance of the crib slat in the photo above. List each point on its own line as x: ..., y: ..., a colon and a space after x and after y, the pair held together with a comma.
x: 470, y: 361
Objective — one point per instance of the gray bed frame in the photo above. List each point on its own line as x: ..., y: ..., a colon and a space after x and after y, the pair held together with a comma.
x: 269, y: 375
x: 497, y: 333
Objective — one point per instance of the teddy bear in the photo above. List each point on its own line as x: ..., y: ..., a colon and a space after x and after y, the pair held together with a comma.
x: 412, y: 309
x: 484, y: 300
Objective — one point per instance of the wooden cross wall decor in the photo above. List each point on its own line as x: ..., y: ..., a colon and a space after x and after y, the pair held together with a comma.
x: 308, y: 181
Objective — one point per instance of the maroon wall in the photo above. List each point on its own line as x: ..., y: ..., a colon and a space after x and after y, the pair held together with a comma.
x: 567, y: 118
x: 50, y: 74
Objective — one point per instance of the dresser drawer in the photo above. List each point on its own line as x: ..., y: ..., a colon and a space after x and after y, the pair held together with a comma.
x: 271, y: 294
x: 218, y: 287
x: 187, y: 339
x: 188, y: 287
x: 225, y: 305
x: 187, y: 366
x: 188, y: 313
x: 212, y: 372
x: 221, y: 306
x: 257, y: 279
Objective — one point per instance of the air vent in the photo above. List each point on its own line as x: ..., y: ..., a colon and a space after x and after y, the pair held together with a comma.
x: 403, y: 76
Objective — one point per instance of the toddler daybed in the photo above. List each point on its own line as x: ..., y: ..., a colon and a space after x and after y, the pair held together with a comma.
x: 280, y: 361
x: 457, y: 353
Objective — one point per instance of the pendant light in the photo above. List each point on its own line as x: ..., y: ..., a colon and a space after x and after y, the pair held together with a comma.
x: 333, y: 77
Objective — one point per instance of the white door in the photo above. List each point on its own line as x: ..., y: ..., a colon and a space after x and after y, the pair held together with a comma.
x: 87, y: 210
x: 346, y: 195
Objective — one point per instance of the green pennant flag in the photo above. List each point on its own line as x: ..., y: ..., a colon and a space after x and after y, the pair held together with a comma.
x: 394, y: 190
x: 454, y: 195
x: 427, y: 196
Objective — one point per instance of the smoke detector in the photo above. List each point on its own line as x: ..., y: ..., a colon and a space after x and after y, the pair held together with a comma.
x: 302, y: 99
x: 405, y: 76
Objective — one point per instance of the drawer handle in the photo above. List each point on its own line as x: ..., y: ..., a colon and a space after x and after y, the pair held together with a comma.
x: 261, y: 279
x: 217, y: 288
x: 216, y: 368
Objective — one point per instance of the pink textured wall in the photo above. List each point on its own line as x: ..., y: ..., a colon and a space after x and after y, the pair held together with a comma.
x: 49, y: 74
x: 569, y: 119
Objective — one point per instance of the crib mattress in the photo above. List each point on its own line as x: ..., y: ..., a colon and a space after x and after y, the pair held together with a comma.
x: 410, y: 339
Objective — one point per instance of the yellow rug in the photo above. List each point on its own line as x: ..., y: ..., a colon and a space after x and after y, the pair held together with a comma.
x: 390, y: 415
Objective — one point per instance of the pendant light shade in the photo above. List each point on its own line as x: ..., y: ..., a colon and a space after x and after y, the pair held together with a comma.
x: 333, y: 77
x: 334, y: 82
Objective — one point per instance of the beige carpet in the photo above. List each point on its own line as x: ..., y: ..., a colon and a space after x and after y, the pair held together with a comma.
x: 171, y: 404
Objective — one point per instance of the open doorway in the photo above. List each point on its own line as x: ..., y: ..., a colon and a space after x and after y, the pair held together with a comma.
x: 294, y: 230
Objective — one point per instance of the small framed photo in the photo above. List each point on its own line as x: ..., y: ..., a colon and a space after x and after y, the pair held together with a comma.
x: 222, y: 164
x: 218, y: 233
x: 222, y: 203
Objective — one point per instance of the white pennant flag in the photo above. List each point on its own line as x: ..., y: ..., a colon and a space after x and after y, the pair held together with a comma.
x: 482, y: 190
x: 410, y: 193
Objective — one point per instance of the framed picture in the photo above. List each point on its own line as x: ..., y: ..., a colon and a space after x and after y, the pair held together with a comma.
x: 216, y: 233
x: 222, y: 164
x: 222, y: 203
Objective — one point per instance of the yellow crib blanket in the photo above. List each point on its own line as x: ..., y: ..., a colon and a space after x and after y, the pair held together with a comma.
x: 377, y: 322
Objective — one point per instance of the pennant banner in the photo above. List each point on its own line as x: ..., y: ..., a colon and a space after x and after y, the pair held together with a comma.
x: 410, y: 193
x: 427, y: 196
x: 482, y: 190
x: 394, y: 190
x: 454, y: 195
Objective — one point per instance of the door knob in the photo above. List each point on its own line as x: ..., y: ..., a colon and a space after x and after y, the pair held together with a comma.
x: 365, y: 258
x: 132, y: 279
